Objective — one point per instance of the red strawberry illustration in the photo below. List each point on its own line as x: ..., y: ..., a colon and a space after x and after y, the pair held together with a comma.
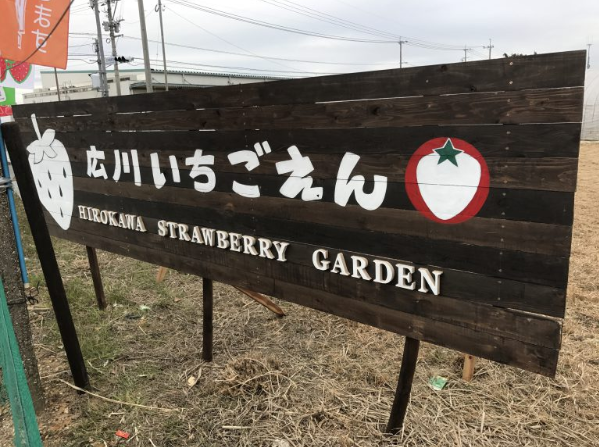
x: 53, y: 176
x: 19, y: 71
x: 3, y: 69
x: 447, y: 180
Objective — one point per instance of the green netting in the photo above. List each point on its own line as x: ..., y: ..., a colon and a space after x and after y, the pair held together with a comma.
x: 13, y: 379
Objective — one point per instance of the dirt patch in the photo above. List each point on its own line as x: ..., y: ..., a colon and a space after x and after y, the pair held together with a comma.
x: 309, y: 379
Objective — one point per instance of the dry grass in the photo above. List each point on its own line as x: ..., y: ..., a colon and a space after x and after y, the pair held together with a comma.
x: 309, y: 379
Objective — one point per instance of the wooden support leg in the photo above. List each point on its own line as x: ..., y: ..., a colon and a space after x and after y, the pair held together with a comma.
x: 468, y: 371
x: 404, y: 385
x: 94, y: 267
x: 45, y: 250
x: 207, y: 296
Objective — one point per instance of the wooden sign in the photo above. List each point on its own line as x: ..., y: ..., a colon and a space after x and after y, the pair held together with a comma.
x: 435, y: 202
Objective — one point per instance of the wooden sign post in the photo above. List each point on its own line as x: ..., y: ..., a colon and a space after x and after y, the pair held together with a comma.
x: 434, y: 202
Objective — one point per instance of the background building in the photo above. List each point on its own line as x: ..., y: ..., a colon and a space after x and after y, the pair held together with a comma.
x: 77, y: 84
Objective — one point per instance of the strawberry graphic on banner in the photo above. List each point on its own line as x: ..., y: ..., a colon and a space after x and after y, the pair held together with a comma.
x: 16, y: 74
x: 447, y: 180
x: 53, y: 176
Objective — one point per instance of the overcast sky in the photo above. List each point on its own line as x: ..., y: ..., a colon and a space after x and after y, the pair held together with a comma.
x: 522, y: 26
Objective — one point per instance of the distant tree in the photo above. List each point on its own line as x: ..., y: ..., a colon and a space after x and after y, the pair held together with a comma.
x: 517, y: 55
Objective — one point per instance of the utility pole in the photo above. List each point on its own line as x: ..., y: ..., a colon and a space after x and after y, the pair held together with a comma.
x: 401, y: 42
x: 589, y: 55
x: 99, y: 60
x: 144, y: 41
x: 57, y: 85
x: 490, y: 47
x: 112, y: 25
x: 160, y: 8
x: 100, y: 50
x: 466, y: 49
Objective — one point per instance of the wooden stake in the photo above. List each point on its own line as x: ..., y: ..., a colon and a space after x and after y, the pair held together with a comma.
x: 404, y: 385
x: 161, y: 274
x: 94, y: 268
x: 468, y: 371
x: 259, y: 298
x: 45, y: 250
x: 207, y: 296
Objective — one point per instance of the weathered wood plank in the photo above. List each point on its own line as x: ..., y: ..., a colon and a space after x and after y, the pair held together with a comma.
x: 499, y: 262
x: 494, y: 141
x: 513, y: 352
x: 461, y: 284
x: 543, y: 174
x: 548, y: 207
x: 506, y: 234
x: 516, y: 73
x: 530, y: 106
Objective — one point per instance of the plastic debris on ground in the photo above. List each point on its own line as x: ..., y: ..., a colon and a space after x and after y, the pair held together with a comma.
x: 437, y: 383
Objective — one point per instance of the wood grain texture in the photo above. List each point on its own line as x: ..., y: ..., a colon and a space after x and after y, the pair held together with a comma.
x: 542, y: 174
x: 521, y: 107
x: 507, y: 74
x: 524, y: 236
x: 497, y: 291
x: 496, y: 141
x: 547, y: 207
x: 499, y: 262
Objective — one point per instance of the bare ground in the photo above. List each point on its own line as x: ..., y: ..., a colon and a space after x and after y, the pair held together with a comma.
x: 309, y: 379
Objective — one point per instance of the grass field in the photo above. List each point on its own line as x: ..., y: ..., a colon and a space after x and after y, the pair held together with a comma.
x: 308, y: 379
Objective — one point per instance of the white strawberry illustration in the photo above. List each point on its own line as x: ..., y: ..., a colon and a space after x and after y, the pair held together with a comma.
x: 53, y: 176
x: 448, y: 179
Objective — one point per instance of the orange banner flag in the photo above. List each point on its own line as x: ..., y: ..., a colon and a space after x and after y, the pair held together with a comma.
x: 35, y: 29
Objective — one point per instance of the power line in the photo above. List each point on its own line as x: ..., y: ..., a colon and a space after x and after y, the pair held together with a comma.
x: 327, y: 18
x: 258, y: 56
x: 412, y: 41
x: 275, y: 26
x: 224, y: 40
x: 196, y: 64
x: 310, y: 12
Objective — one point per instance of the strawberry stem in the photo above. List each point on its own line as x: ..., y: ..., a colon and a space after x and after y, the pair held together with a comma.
x: 35, y: 127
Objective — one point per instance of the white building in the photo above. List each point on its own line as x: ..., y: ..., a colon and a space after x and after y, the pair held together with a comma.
x: 77, y: 84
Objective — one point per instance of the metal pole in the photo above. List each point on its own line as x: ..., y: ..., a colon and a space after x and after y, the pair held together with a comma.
x: 144, y: 41
x: 102, y: 62
x: 490, y: 47
x: 465, y: 54
x: 207, y: 327
x: 401, y: 42
x: 163, y: 50
x: 400, y: 54
x: 13, y: 215
x: 99, y: 66
x: 117, y: 77
x: 589, y: 55
x: 57, y: 85
x: 404, y: 385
